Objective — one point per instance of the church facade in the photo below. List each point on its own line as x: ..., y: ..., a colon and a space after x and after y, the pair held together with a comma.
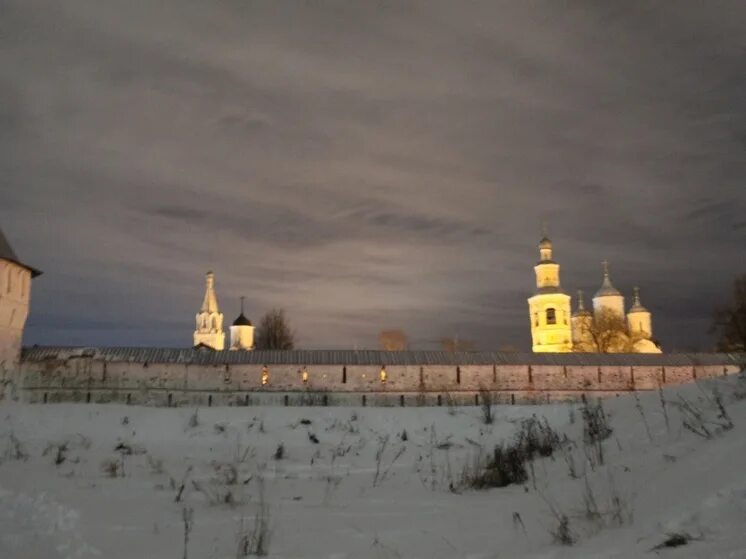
x: 606, y: 329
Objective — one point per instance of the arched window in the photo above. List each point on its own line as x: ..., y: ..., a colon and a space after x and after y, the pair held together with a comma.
x: 551, y: 316
x: 265, y: 376
x: 383, y: 374
x: 304, y: 375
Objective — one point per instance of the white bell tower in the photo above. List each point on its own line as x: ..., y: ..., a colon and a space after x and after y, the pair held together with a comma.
x: 209, y: 330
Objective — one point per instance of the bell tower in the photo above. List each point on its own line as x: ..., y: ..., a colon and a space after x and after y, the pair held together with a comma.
x: 209, y: 330
x: 549, y: 307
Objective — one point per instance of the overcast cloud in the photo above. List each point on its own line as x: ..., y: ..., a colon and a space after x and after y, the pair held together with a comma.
x: 368, y: 165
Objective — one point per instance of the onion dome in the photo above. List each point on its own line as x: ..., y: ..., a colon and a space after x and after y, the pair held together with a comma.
x: 545, y: 242
x: 606, y: 289
x: 636, y: 305
x: 242, y: 320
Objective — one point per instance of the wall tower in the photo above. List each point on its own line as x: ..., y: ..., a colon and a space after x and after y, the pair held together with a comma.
x: 15, y: 296
x: 209, y: 330
x: 549, y: 307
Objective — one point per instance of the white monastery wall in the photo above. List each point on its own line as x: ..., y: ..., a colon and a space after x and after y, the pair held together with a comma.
x: 85, y: 379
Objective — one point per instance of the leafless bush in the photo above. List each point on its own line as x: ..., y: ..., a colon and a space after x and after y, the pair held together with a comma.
x: 700, y: 421
x: 193, y: 419
x: 181, y: 486
x: 59, y: 450
x: 214, y: 493
x: 220, y: 428
x: 562, y: 534
x: 332, y: 479
x: 536, y: 438
x: 664, y: 408
x: 187, y: 518
x: 567, y: 448
x: 382, y: 471
x: 230, y: 472
x: 254, y: 539
x: 506, y: 466
x: 612, y: 511
x: 279, y: 452
x: 113, y: 467
x: 641, y: 411
x: 676, y: 539
x: 595, y: 431
x: 509, y: 463
x: 14, y: 449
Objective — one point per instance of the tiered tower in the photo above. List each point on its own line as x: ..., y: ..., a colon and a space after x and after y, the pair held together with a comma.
x: 549, y: 307
x: 209, y: 330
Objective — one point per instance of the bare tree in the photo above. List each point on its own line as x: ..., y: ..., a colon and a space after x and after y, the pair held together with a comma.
x: 456, y: 344
x: 606, y: 332
x: 393, y: 340
x: 274, y: 331
x: 729, y: 321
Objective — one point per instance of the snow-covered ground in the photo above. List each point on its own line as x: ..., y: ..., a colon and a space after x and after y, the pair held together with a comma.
x: 366, y: 489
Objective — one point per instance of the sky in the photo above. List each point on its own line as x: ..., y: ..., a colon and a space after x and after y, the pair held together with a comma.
x: 369, y: 165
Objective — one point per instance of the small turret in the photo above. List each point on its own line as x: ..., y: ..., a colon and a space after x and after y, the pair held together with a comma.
x: 639, y: 319
x: 581, y: 310
x: 582, y: 321
x: 242, y: 332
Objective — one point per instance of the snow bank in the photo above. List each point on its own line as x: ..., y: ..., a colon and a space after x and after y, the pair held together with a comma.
x: 89, y: 480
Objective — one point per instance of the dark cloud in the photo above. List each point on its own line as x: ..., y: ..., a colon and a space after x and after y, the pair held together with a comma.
x: 368, y: 165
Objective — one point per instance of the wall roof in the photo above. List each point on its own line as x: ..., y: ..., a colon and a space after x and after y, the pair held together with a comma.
x: 372, y: 357
x: 7, y: 253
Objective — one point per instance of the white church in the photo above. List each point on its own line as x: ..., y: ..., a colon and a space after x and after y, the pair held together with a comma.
x: 556, y: 329
x: 209, y: 331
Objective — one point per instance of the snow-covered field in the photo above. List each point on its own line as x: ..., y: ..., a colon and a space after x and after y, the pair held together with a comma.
x: 367, y: 489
